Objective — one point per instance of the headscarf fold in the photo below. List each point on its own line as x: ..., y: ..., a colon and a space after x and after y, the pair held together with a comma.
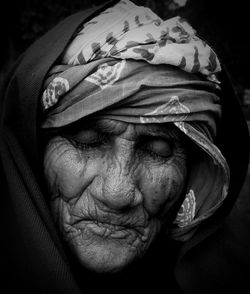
x: 129, y: 65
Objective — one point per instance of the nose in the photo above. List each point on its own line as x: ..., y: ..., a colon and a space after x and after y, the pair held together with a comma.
x: 120, y: 189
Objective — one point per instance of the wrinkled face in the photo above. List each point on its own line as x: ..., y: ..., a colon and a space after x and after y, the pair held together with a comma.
x: 113, y: 186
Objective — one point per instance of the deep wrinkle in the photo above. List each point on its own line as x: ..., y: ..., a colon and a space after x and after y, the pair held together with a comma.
x: 112, y: 185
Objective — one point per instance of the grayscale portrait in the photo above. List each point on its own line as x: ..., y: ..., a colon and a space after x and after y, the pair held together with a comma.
x: 124, y: 149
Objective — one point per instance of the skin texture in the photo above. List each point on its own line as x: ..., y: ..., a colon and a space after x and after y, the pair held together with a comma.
x: 113, y: 186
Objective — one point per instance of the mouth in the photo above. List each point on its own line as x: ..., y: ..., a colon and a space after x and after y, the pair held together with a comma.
x: 112, y: 228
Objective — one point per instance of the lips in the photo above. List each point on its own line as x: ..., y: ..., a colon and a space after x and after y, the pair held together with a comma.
x: 104, y: 230
x: 108, y: 227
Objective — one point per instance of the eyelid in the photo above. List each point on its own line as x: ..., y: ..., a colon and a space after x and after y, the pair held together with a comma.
x: 156, y: 148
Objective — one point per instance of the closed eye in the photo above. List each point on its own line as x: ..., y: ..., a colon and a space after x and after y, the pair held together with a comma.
x: 157, y: 147
x: 160, y: 147
x: 87, y: 139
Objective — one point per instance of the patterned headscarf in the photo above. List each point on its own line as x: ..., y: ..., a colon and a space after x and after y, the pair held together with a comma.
x: 129, y: 65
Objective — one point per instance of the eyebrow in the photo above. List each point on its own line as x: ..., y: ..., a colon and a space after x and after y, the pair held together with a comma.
x: 166, y: 131
x: 113, y: 127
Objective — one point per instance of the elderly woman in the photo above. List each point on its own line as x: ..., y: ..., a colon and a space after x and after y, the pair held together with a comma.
x: 120, y: 161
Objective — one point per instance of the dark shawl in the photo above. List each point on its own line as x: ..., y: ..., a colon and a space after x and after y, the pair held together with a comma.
x: 33, y: 258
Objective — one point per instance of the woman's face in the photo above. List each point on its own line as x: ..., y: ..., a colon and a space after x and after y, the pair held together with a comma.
x: 113, y: 186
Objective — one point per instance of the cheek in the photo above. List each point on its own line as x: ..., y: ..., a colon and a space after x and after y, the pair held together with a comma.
x: 67, y: 172
x: 163, y: 185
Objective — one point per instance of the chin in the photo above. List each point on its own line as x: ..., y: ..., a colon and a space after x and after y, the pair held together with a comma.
x: 106, y: 259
